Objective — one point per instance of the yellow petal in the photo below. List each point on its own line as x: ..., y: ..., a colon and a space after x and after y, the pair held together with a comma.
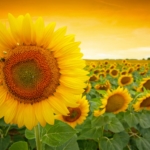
x: 29, y: 116
x: 27, y: 29
x: 58, y: 105
x: 38, y: 113
x: 47, y: 112
x: 48, y: 33
x: 57, y: 36
x: 11, y: 112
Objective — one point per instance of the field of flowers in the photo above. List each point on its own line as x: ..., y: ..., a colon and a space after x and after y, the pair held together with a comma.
x: 113, y: 113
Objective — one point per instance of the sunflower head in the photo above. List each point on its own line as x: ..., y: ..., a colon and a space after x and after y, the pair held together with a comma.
x: 103, y: 86
x: 88, y: 88
x: 124, y: 80
x: 93, y: 78
x: 38, y: 71
x: 76, y: 115
x: 96, y: 71
x: 130, y: 70
x: 116, y: 101
x: 142, y: 103
x: 123, y: 72
x: 145, y: 83
x: 114, y: 73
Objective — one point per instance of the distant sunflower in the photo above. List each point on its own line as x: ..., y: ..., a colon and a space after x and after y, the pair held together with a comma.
x: 76, y: 115
x: 142, y: 103
x: 123, y: 72
x: 115, y: 101
x: 145, y: 83
x: 105, y: 86
x: 93, y: 77
x: 114, y: 73
x: 130, y: 70
x: 124, y: 80
x: 96, y: 71
x: 102, y: 74
x: 39, y: 72
x: 87, y: 88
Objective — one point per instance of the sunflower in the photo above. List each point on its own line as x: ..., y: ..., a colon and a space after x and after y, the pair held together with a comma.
x: 93, y: 78
x: 124, y: 80
x: 88, y: 88
x: 145, y: 83
x: 38, y: 72
x: 142, y: 103
x: 123, y: 72
x: 114, y: 73
x: 76, y: 115
x: 96, y: 71
x: 130, y: 70
x: 105, y: 86
x: 115, y: 101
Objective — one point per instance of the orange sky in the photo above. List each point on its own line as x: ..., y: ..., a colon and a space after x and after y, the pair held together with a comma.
x: 106, y: 28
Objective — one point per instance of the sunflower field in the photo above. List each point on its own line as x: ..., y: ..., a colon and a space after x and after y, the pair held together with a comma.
x: 52, y: 99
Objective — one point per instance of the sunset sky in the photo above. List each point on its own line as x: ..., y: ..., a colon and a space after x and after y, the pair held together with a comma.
x: 106, y: 28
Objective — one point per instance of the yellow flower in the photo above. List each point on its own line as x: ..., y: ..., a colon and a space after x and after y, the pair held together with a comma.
x: 115, y: 101
x: 78, y: 114
x: 124, y: 80
x: 88, y: 88
x: 105, y: 86
x: 38, y: 72
x: 93, y: 78
x: 142, y: 103
x: 145, y: 83
x: 114, y: 73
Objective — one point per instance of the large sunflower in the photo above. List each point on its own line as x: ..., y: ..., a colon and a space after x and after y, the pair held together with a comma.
x: 142, y: 103
x: 39, y: 68
x: 115, y: 101
x: 124, y: 80
x: 77, y: 115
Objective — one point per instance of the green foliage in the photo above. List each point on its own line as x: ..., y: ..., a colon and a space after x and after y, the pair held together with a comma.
x: 19, y: 146
x: 55, y: 135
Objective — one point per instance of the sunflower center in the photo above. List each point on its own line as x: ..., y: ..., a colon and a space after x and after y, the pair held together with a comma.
x: 31, y: 74
x: 115, y: 102
x: 147, y: 84
x: 145, y: 102
x: 74, y: 114
x: 125, y: 80
x: 26, y: 74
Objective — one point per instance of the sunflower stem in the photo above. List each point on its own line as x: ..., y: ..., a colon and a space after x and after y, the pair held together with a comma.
x: 37, y: 137
x: 7, y: 129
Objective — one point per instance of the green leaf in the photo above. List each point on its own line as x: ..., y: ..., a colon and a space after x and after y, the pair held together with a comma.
x: 142, y: 143
x: 90, y: 133
x: 131, y: 119
x: 29, y: 134
x: 4, y: 142
x: 69, y: 145
x: 19, y: 146
x: 94, y: 104
x: 87, y: 145
x: 57, y: 134
x: 99, y: 121
x: 122, y: 138
x: 144, y: 119
x: 109, y: 144
x: 114, y: 125
x: 2, y: 122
